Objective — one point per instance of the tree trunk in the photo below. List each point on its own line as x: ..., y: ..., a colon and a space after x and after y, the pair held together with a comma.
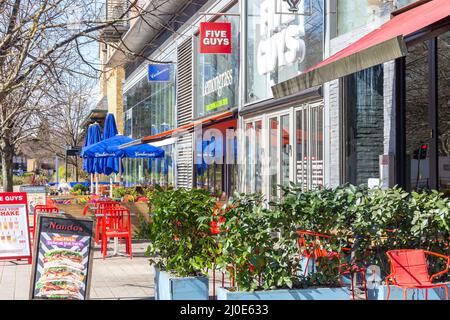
x: 7, y: 166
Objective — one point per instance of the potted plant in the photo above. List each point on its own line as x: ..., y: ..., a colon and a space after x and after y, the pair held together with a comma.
x: 181, y: 243
x: 260, y: 244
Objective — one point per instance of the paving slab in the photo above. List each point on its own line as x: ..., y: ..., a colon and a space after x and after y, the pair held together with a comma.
x: 113, y: 278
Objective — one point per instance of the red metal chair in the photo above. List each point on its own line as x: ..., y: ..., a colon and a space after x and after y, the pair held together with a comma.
x: 41, y: 209
x: 116, y: 223
x: 409, y: 270
x: 98, y: 212
x: 313, y: 249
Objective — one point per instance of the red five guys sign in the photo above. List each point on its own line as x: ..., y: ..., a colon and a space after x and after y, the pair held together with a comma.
x: 215, y: 37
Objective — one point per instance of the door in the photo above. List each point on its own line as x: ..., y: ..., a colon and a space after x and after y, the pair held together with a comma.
x: 427, y: 115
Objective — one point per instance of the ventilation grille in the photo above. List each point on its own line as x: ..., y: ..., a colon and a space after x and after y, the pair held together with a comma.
x: 185, y: 83
x: 184, y: 113
x: 184, y: 161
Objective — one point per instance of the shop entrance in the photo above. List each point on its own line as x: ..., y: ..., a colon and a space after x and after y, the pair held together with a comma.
x: 427, y: 115
x: 283, y: 147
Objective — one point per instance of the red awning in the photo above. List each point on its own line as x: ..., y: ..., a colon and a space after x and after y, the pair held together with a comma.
x: 381, y: 45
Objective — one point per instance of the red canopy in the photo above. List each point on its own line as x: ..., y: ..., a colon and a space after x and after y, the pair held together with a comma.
x: 381, y: 45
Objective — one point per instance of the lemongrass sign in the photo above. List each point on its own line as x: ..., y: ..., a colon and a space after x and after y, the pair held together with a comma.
x: 215, y: 37
x: 14, y: 234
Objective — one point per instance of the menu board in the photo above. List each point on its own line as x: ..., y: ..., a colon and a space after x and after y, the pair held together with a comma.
x: 14, y: 234
x: 36, y: 195
x: 63, y: 258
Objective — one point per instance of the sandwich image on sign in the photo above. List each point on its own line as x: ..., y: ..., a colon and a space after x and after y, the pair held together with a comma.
x: 63, y: 257
x: 62, y: 275
x: 60, y: 289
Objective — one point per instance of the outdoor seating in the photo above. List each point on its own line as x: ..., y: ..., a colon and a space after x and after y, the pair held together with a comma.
x: 116, y: 223
x: 100, y: 208
x: 409, y: 270
x: 41, y: 209
x: 312, y: 249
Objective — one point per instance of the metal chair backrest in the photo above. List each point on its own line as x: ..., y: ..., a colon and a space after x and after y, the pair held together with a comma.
x: 102, y: 206
x: 409, y: 266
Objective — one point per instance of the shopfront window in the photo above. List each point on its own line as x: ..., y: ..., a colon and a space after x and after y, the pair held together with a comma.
x: 285, y: 150
x: 274, y: 156
x: 364, y: 125
x: 218, y: 74
x: 150, y: 171
x: 254, y: 157
x: 149, y: 107
x: 444, y: 111
x: 249, y: 152
x: 280, y: 46
x: 214, y: 167
x: 309, y: 146
x: 354, y: 14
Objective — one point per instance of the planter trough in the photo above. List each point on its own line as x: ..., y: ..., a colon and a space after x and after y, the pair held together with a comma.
x: 287, y: 294
x: 170, y: 287
x: 380, y: 293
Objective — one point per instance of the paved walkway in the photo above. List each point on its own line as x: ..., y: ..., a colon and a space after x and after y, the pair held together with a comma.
x: 112, y: 278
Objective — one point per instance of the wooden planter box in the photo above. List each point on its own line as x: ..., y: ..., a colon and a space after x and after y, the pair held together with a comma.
x: 286, y: 294
x: 380, y: 293
x: 170, y: 287
x: 139, y: 209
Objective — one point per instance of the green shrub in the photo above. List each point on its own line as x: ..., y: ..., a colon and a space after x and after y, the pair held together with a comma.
x: 180, y: 233
x: 260, y: 240
x: 18, y: 181
x: 79, y: 188
x: 122, y: 192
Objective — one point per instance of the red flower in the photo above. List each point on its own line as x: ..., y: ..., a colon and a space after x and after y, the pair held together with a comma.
x: 252, y: 268
x: 215, y: 229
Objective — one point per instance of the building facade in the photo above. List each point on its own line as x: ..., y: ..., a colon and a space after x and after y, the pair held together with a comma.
x: 241, y: 122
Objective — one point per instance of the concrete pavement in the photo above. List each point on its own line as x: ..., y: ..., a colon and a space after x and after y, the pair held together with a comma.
x: 112, y: 278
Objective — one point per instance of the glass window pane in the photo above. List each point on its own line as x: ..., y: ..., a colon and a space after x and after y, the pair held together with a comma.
x: 317, y: 159
x: 444, y: 111
x: 418, y: 129
x: 271, y: 58
x: 285, y: 150
x: 299, y: 152
x: 249, y: 157
x: 274, y: 156
x: 259, y: 157
x: 218, y: 74
x: 364, y: 124
x: 305, y: 144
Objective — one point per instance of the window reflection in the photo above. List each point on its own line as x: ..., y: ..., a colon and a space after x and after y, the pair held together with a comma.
x: 444, y: 111
x: 364, y: 108
x: 147, y: 105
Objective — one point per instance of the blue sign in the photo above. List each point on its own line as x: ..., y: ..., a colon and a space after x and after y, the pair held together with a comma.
x: 159, y: 72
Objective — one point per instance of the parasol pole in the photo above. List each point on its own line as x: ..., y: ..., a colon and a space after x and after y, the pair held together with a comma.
x: 110, y: 186
x: 96, y: 184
